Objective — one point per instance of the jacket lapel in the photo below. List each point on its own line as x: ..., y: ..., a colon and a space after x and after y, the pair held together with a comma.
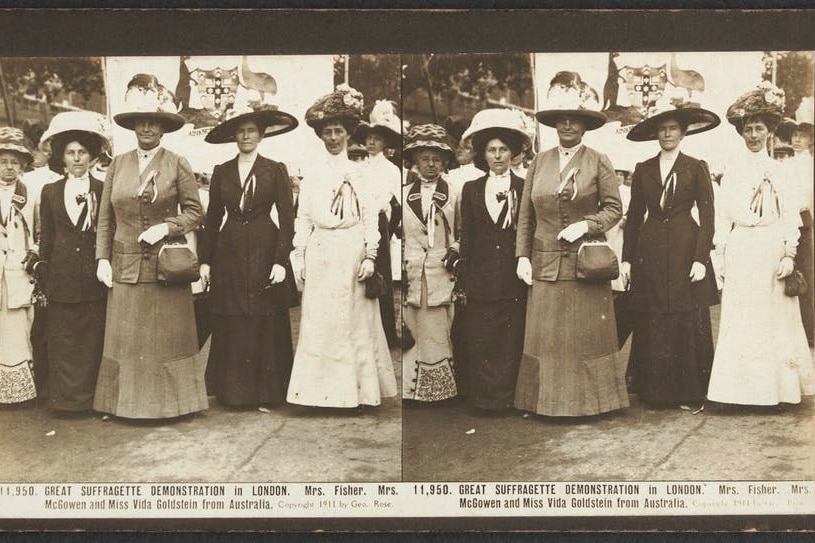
x: 414, y: 199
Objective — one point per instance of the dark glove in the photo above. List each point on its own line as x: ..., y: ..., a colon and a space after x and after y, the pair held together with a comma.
x: 30, y: 259
x: 450, y: 259
x: 40, y: 271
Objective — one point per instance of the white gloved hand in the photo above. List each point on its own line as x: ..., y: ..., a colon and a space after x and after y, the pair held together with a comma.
x: 278, y: 274
x: 298, y: 265
x: 366, y: 270
x: 524, y: 270
x: 697, y: 272
x: 155, y: 233
x: 625, y: 274
x: 785, y: 267
x: 204, y: 272
x: 104, y: 273
x: 574, y: 231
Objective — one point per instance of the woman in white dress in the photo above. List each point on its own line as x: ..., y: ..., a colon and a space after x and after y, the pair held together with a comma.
x: 342, y: 357
x: 762, y: 356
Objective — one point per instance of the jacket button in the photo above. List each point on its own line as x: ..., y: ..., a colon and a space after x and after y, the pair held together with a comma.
x: 565, y: 253
x: 146, y: 257
x: 497, y: 246
x: 77, y: 249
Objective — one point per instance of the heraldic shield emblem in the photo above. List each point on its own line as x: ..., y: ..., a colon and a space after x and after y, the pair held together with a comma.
x: 216, y: 89
x: 645, y: 85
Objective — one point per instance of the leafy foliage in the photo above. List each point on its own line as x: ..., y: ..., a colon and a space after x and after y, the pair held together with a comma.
x: 47, y: 78
x: 795, y: 74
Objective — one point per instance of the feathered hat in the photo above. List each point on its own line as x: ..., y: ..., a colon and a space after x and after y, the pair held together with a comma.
x: 765, y: 101
x: 570, y: 96
x: 146, y: 98
x: 343, y: 105
x: 804, y: 116
x: 384, y: 122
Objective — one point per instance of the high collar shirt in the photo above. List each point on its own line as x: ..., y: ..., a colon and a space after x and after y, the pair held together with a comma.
x: 74, y: 186
x: 565, y: 154
x: 496, y: 184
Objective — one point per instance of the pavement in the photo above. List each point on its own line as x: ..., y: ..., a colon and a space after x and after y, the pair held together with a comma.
x: 452, y: 443
x: 290, y: 443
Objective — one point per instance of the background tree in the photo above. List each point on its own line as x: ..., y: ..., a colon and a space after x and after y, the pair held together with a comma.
x: 46, y: 78
x: 795, y: 74
x: 375, y: 76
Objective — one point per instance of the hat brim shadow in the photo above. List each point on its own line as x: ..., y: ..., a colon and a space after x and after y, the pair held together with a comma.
x: 391, y: 137
x: 788, y: 126
x: 592, y: 119
x: 698, y: 120
x: 170, y: 121
x: 276, y: 122
x: 420, y: 145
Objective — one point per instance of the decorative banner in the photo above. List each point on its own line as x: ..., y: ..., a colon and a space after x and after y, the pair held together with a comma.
x: 206, y: 88
x: 634, y: 83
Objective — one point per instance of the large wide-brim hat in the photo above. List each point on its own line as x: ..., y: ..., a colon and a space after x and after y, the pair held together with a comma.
x: 504, y: 119
x: 766, y: 101
x: 384, y: 122
x: 428, y: 136
x: 803, y: 121
x: 569, y: 96
x: 13, y: 139
x: 146, y: 98
x: 697, y: 120
x: 344, y: 104
x: 273, y: 121
x: 89, y: 122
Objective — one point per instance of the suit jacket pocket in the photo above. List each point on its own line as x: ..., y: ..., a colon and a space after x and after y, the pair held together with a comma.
x: 125, y: 264
x: 20, y: 286
x: 544, y: 263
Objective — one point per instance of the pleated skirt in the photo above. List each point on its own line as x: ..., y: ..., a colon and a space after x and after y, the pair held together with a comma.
x: 149, y: 366
x: 570, y: 366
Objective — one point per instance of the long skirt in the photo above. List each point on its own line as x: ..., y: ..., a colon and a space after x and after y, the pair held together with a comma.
x: 39, y: 350
x: 75, y: 337
x: 383, y: 265
x: 250, y: 358
x: 430, y: 328
x: 762, y: 356
x: 15, y: 350
x: 571, y: 365
x: 671, y: 356
x: 342, y: 357
x: 804, y: 263
x: 495, y: 330
x: 149, y: 365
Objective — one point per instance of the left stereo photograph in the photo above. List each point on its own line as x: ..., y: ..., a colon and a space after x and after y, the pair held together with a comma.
x: 200, y: 269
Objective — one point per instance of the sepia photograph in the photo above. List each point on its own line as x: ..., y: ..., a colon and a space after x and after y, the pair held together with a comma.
x: 667, y: 334
x: 199, y: 269
x: 374, y: 271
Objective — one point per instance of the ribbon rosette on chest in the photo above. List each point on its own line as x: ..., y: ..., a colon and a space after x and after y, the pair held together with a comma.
x: 436, y: 210
x: 87, y: 217
x: 507, y: 218
x: 148, y: 191
x: 568, y: 187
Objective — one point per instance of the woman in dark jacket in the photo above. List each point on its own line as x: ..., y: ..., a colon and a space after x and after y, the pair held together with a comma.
x: 672, y: 280
x: 75, y: 329
x: 250, y: 358
x: 496, y: 298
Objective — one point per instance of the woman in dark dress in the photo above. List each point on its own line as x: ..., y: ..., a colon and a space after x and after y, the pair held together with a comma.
x: 75, y: 326
x: 668, y: 260
x: 250, y: 358
x: 496, y: 298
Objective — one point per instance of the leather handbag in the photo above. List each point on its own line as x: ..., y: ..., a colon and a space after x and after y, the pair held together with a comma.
x: 795, y: 284
x: 596, y: 262
x: 375, y: 286
x: 177, y: 263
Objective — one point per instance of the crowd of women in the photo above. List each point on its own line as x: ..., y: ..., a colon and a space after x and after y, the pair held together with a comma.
x: 506, y: 269
x: 509, y: 301
x: 109, y: 265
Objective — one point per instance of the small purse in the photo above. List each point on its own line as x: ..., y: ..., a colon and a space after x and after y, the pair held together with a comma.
x: 596, y: 262
x: 17, y: 383
x: 795, y: 284
x: 375, y: 286
x: 435, y: 382
x: 177, y: 263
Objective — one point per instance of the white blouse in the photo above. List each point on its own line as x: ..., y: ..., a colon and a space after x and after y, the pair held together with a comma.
x: 320, y: 184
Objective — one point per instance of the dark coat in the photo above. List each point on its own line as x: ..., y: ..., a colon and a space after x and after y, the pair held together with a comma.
x: 662, y: 250
x: 69, y: 252
x: 487, y: 250
x: 242, y: 253
x: 543, y: 213
x: 123, y: 217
